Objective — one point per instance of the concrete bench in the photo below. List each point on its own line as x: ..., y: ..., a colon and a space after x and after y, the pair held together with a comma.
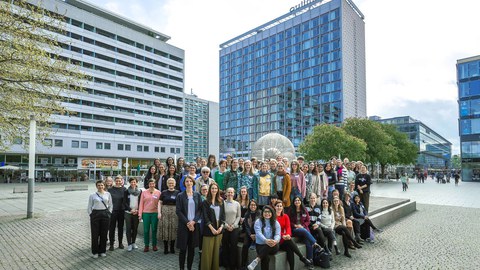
x: 25, y: 189
x: 76, y: 187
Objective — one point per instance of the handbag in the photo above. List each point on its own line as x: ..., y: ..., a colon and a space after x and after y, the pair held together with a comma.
x: 321, y: 258
x: 106, y: 208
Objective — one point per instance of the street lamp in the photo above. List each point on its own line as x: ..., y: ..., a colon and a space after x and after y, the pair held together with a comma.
x: 31, y: 166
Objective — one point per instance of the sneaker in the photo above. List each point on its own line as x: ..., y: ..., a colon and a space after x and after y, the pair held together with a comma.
x: 95, y: 256
x: 134, y: 246
x: 103, y: 255
x: 129, y: 248
x: 378, y: 230
x: 252, y: 265
x: 252, y: 246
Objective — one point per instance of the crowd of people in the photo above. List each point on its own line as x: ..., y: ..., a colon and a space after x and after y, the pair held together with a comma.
x: 213, y: 206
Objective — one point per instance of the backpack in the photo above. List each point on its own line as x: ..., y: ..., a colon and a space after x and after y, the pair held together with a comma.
x: 321, y: 258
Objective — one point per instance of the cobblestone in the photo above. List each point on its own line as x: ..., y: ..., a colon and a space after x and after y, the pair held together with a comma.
x: 434, y: 237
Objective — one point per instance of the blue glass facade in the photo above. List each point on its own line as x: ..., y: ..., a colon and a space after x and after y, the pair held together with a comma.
x: 468, y: 80
x: 285, y: 79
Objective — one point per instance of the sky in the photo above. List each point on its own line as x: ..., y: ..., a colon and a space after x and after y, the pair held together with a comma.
x: 411, y: 48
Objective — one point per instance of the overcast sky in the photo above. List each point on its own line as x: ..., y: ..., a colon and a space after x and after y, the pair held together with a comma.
x: 411, y: 48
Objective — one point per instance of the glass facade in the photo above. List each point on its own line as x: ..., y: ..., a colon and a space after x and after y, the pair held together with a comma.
x: 468, y: 81
x: 285, y: 79
x: 434, y: 151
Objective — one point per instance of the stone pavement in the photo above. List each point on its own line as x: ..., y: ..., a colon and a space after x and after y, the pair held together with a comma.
x: 434, y: 237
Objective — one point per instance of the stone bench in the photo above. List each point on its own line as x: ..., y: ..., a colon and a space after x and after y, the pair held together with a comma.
x: 76, y: 187
x: 24, y: 189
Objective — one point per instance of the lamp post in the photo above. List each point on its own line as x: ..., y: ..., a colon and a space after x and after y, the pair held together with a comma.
x: 31, y: 166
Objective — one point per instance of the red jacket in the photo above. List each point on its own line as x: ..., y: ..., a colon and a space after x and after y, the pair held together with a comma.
x: 305, y: 218
x: 285, y: 228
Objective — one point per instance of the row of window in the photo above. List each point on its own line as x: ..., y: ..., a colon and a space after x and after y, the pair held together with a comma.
x: 108, y: 146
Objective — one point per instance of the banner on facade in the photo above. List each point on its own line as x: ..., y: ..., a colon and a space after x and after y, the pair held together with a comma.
x: 99, y: 163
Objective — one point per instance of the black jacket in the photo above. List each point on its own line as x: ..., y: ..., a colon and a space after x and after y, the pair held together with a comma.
x: 249, y: 221
x: 356, y: 211
x: 182, y: 214
x: 209, y: 218
x: 126, y: 200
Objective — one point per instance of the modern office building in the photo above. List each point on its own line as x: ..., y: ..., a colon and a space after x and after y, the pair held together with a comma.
x: 132, y: 108
x: 201, y: 128
x: 301, y: 69
x: 468, y: 81
x: 434, y: 151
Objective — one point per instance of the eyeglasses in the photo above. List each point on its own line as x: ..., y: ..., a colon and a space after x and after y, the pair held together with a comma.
x: 205, y: 172
x: 267, y: 212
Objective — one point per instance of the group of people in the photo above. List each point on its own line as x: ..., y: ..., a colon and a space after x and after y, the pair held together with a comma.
x: 213, y: 206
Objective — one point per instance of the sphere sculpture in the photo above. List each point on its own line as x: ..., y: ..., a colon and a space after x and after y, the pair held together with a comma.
x: 272, y: 145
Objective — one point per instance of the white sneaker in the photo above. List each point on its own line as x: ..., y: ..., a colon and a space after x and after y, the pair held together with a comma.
x: 252, y: 265
x: 129, y: 248
x: 103, y: 255
x: 134, y: 246
x: 95, y: 256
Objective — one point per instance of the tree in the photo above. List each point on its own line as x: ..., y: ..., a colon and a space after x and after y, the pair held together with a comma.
x: 403, y: 152
x: 34, y: 79
x: 379, y: 144
x: 456, y: 162
x: 326, y: 141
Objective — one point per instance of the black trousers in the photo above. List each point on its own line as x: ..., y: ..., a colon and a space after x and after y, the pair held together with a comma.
x: 229, y: 248
x: 346, y: 236
x: 247, y: 242
x: 116, y: 221
x: 263, y: 251
x: 99, y: 221
x: 290, y: 247
x: 330, y: 235
x: 191, y: 253
x: 319, y: 236
x: 131, y: 227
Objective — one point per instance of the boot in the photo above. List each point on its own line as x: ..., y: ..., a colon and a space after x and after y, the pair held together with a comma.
x: 165, y: 247
x: 357, y: 245
x: 358, y: 239
x: 336, y: 250
x: 172, y: 246
x: 346, y: 253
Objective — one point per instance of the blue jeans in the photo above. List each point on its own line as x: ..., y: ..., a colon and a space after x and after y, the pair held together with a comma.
x: 308, y: 239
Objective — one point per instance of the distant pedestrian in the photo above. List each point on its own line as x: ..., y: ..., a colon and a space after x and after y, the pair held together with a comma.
x: 404, y: 179
x: 457, y: 178
x: 99, y: 209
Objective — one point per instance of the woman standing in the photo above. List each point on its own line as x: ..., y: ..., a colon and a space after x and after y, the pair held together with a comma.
x: 167, y: 225
x: 319, y: 183
x: 132, y: 200
x: 188, y: 209
x: 181, y: 167
x: 219, y: 174
x: 152, y: 173
x: 212, y: 165
x: 249, y: 220
x: 362, y: 184
x: 243, y: 200
x: 300, y: 222
x: 192, y: 173
x: 148, y: 211
x: 231, y: 176
x: 171, y: 173
x: 282, y: 184
x: 298, y: 181
x: 267, y: 238
x: 213, y: 222
x: 286, y: 242
x: 230, y: 234
x: 332, y: 179
x: 249, y: 179
x: 118, y: 214
x: 341, y: 228
x: 265, y: 185
x: 99, y: 208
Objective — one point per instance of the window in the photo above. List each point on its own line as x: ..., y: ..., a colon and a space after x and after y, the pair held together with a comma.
x: 172, y: 150
x: 58, y: 143
x: 47, y: 142
x: 120, y: 147
x: 178, y: 150
x: 99, y: 145
x: 162, y: 149
x: 145, y: 148
x: 84, y: 144
x: 139, y: 148
x: 107, y: 146
x: 157, y: 149
x: 75, y: 144
x: 128, y: 147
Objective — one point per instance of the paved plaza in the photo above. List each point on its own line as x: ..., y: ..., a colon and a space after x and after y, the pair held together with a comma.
x: 441, y: 234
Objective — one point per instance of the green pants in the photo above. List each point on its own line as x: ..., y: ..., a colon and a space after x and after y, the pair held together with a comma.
x: 150, y: 220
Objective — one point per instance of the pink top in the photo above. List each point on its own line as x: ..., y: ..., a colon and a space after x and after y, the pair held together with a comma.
x: 298, y: 181
x: 149, y: 202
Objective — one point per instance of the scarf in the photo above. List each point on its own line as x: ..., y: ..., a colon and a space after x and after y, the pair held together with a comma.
x: 282, y: 173
x: 262, y: 174
x: 134, y: 192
